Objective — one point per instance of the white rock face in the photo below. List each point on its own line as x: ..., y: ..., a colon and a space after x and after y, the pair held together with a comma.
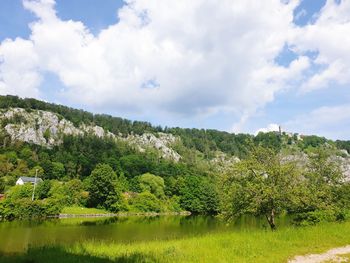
x: 47, y: 129
x: 34, y: 126
x: 162, y: 142
x: 223, y: 162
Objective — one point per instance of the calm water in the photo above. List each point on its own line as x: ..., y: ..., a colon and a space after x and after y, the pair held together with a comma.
x: 17, y: 236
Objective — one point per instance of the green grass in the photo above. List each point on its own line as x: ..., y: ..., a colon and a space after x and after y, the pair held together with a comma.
x: 241, y: 246
x: 77, y: 210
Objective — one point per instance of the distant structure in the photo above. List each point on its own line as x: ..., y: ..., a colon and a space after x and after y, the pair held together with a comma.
x: 28, y: 180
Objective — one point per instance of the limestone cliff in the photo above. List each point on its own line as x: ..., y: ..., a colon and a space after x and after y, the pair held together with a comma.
x: 47, y: 129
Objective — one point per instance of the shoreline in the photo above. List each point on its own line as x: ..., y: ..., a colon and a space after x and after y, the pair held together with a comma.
x: 126, y: 214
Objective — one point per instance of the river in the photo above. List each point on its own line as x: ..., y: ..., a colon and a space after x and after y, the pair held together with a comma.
x: 17, y: 236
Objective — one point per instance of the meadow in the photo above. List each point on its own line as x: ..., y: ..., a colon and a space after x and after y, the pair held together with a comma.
x: 255, y: 245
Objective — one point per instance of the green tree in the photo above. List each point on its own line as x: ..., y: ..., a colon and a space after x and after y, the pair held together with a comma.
x: 198, y: 195
x: 43, y: 189
x: 323, y: 179
x: 102, y: 187
x: 261, y: 185
x: 153, y: 184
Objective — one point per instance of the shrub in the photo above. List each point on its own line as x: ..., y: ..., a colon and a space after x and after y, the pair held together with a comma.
x: 146, y: 202
x: 25, y: 208
x: 153, y: 184
x: 318, y: 216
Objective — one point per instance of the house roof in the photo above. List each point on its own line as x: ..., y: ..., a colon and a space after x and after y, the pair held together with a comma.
x: 30, y: 179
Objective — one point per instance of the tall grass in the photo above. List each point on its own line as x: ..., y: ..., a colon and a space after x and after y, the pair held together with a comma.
x: 241, y: 246
x: 77, y: 210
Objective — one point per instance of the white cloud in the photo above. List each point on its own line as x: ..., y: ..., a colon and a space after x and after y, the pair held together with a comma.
x: 270, y: 128
x: 332, y: 122
x: 203, y: 56
x: 178, y: 58
x: 329, y: 36
x: 19, y: 68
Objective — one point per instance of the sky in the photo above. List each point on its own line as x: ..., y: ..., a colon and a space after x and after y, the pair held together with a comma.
x: 232, y: 65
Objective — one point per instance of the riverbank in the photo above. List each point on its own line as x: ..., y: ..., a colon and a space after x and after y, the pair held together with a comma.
x: 125, y: 214
x: 236, y: 246
x: 75, y: 211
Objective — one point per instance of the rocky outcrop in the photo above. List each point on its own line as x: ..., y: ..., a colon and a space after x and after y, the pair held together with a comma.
x: 162, y: 142
x: 38, y: 127
x: 223, y: 162
x: 47, y: 129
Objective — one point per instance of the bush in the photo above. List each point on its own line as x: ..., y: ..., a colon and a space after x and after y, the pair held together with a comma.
x: 318, y: 216
x: 146, y: 202
x: 20, y: 192
x: 153, y: 184
x: 27, y: 209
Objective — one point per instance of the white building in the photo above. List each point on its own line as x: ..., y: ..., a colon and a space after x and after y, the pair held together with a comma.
x: 31, y: 180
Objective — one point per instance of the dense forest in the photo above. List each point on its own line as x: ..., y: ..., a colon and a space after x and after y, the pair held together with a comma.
x: 104, y: 173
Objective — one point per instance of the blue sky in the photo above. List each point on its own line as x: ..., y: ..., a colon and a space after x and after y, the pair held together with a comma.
x: 239, y: 67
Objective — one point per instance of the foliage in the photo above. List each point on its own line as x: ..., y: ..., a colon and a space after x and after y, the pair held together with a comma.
x: 266, y: 185
x: 153, y: 184
x: 2, y: 185
x: 146, y: 202
x: 102, y: 188
x: 43, y: 189
x: 82, y: 171
x: 198, y: 195
x: 317, y: 216
x: 260, y: 185
x: 25, y: 208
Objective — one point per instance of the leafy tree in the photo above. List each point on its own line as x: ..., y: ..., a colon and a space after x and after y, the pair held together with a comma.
x: 153, y: 184
x: 43, y: 189
x: 323, y: 179
x: 102, y: 187
x: 123, y: 182
x: 197, y: 195
x: 36, y: 170
x: 58, y: 170
x: 260, y: 185
x: 19, y: 192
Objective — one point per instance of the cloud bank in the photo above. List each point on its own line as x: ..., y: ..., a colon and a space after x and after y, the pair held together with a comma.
x: 180, y: 58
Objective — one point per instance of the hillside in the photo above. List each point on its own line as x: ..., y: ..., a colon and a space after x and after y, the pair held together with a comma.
x: 203, y: 140
x: 145, y: 168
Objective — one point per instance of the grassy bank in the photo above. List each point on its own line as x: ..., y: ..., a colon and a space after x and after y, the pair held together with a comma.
x: 77, y: 210
x: 241, y: 246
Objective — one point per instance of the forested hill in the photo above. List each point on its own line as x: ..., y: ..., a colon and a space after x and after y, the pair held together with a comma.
x: 116, y: 164
x: 206, y: 142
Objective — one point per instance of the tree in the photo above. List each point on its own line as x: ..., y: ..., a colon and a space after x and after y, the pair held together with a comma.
x: 260, y: 185
x: 323, y: 178
x: 102, y: 187
x: 153, y: 184
x: 198, y: 195
x: 43, y: 189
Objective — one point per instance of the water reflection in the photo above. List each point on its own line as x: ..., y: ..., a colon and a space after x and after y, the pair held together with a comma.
x: 17, y: 236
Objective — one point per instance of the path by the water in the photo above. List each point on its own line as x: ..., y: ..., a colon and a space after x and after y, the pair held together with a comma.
x: 333, y: 255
